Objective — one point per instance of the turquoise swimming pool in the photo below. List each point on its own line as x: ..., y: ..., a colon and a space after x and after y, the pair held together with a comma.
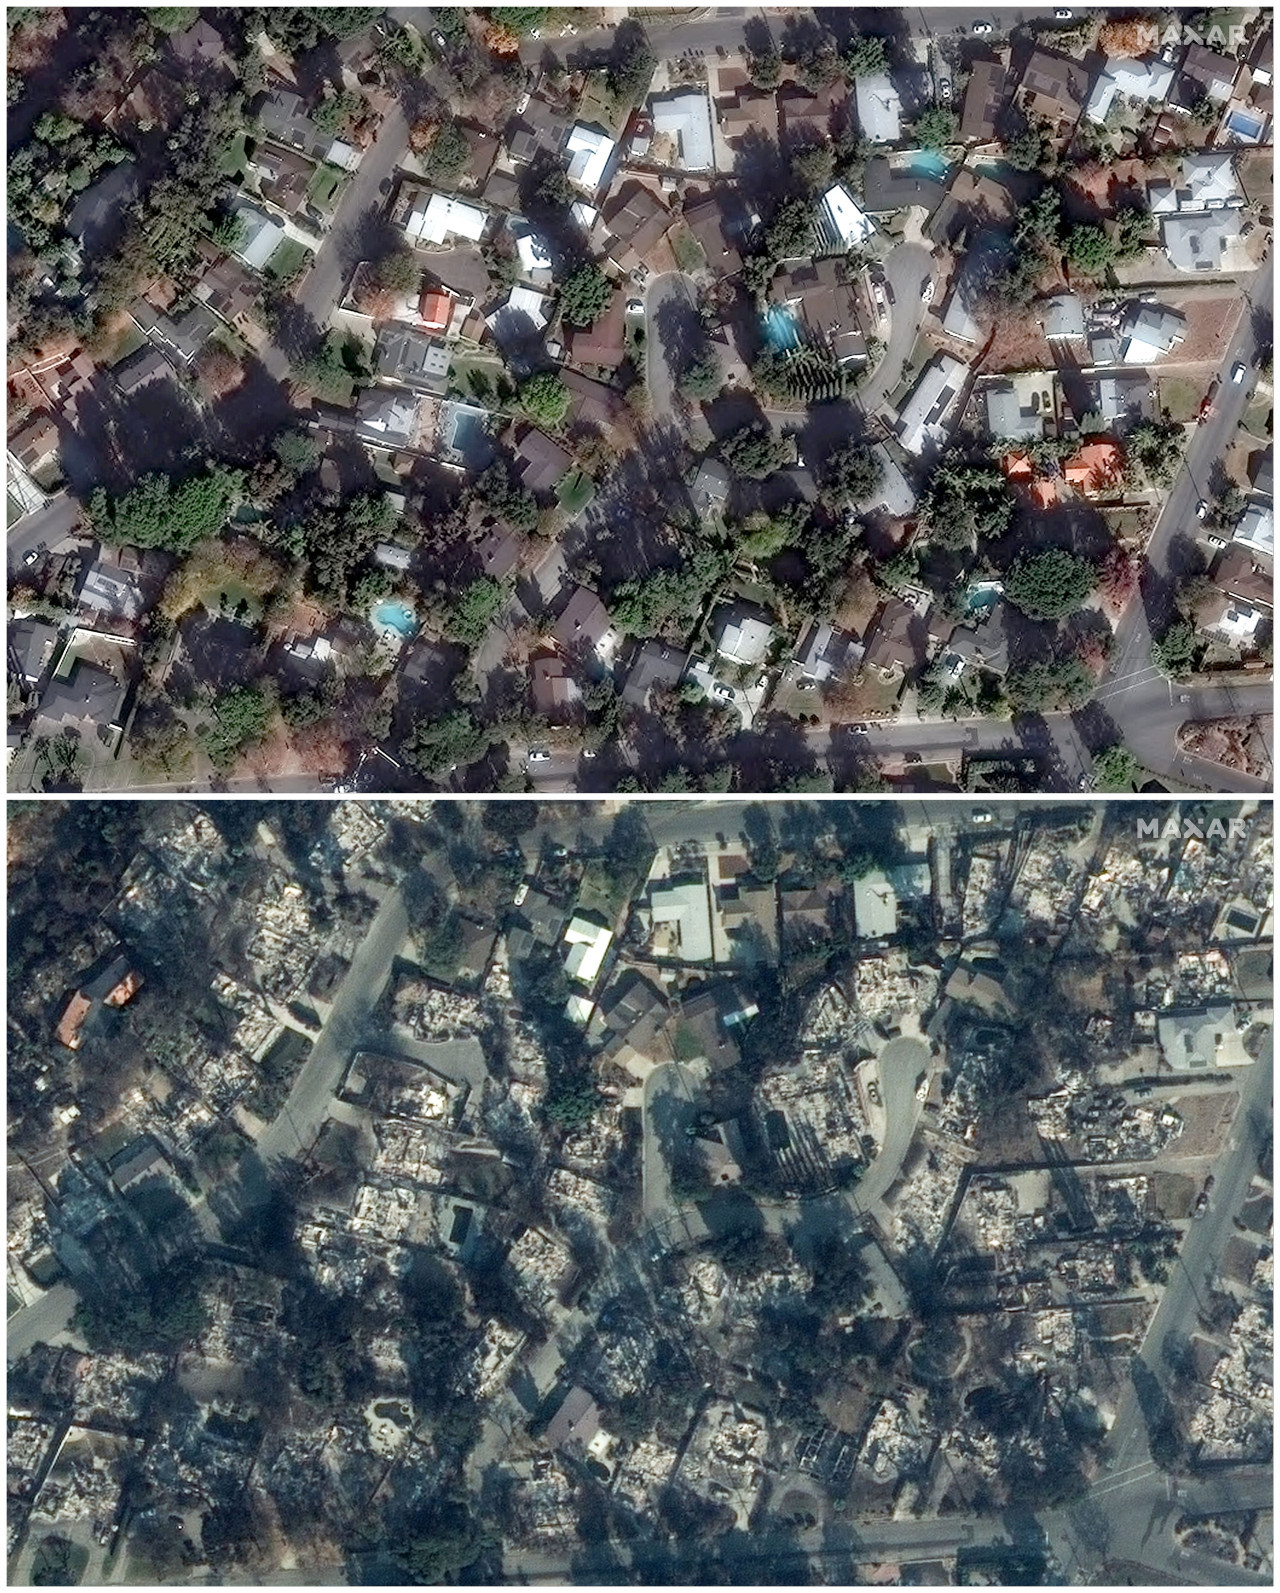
x: 781, y: 329
x: 397, y: 617
x: 928, y: 163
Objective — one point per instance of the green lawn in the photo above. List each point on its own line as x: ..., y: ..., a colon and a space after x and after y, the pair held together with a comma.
x: 232, y: 163
x: 288, y: 260
x: 687, y: 249
x: 1181, y: 396
x: 324, y: 187
x: 575, y: 491
x: 1257, y: 419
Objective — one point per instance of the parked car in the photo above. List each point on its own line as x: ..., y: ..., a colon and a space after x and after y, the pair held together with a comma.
x: 1238, y: 372
x: 1202, y: 510
x: 723, y: 692
x: 926, y: 292
x: 1200, y: 1207
x: 944, y: 91
x: 539, y: 755
x: 982, y: 27
x: 439, y: 40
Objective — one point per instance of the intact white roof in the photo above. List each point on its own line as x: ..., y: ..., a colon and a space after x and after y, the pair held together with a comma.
x: 744, y: 641
x: 263, y: 236
x: 875, y: 906
x: 687, y: 117
x: 344, y: 155
x: 849, y: 220
x: 590, y: 149
x: 921, y: 418
x: 1141, y: 80
x: 1210, y: 180
x: 444, y: 217
x: 533, y: 252
x: 526, y: 301
x: 1151, y: 333
x: 687, y: 907
x: 1256, y: 530
x: 578, y: 1009
x: 1162, y: 199
x: 588, y: 943
x: 879, y: 109
x: 584, y: 214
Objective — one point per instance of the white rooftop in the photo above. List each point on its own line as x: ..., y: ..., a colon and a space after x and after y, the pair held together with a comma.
x: 922, y: 416
x: 444, y: 217
x: 1256, y: 530
x: 263, y: 236
x: 686, y: 907
x: 744, y: 641
x: 588, y: 943
x: 875, y: 906
x: 590, y: 149
x: 1148, y: 80
x: 533, y: 253
x: 686, y: 117
x: 879, y: 109
x: 850, y: 221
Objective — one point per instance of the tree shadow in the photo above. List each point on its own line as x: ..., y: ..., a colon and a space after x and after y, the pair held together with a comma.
x: 681, y: 335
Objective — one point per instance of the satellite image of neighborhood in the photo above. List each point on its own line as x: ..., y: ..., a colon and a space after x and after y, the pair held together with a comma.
x: 546, y: 399
x: 847, y: 1192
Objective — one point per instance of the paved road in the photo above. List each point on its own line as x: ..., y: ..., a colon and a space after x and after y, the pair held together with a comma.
x: 47, y: 526
x: 901, y: 1063
x: 41, y: 1321
x: 1200, y: 1256
x: 674, y: 294
x: 1149, y: 711
x: 906, y: 269
x: 1208, y: 445
x: 308, y: 1104
x: 667, y: 1105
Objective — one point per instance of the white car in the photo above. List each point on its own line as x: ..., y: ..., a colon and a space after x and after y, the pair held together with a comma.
x: 926, y: 293
x: 1238, y: 372
x: 1062, y: 15
x: 982, y: 27
x: 538, y: 755
x: 522, y: 104
x: 1202, y: 510
x: 635, y: 306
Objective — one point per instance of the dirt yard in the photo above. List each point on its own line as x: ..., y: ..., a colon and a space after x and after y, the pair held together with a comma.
x: 1240, y: 744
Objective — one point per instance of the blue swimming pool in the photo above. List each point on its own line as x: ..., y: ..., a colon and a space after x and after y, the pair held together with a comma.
x: 397, y: 617
x: 1249, y: 128
x: 928, y: 163
x: 781, y: 329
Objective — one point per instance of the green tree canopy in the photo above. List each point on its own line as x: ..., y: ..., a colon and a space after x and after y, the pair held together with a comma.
x: 449, y: 153
x: 865, y: 56
x: 702, y: 378
x: 935, y: 127
x: 1051, y: 583
x: 585, y: 295
x: 1090, y: 248
x: 963, y: 501
x: 545, y: 399
x: 1175, y: 652
x: 159, y: 513
x: 1115, y: 769
x: 852, y: 474
x: 473, y: 611
x: 435, y: 746
x: 241, y: 717
x: 755, y: 450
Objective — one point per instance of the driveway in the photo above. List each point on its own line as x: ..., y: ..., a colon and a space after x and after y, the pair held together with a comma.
x: 900, y: 1064
x: 43, y: 530
x: 671, y: 325
x: 906, y: 269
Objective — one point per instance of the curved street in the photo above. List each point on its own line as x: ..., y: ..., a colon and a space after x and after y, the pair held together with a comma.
x: 906, y: 268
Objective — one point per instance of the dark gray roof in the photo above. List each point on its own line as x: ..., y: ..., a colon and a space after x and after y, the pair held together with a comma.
x: 409, y: 356
x: 885, y: 189
x: 87, y: 694
x: 655, y: 664
x: 31, y: 647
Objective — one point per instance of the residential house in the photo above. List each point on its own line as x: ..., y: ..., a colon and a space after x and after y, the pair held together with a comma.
x: 111, y: 587
x: 745, y: 113
x: 539, y: 129
x: 576, y: 1422
x: 710, y: 489
x: 1255, y: 529
x: 1200, y: 240
x: 1097, y: 467
x: 656, y: 667
x: 601, y: 346
x: 541, y: 463
x: 684, y: 117
x: 98, y: 216
x: 898, y: 641
x: 702, y: 1015
x: 1149, y: 332
x: 1120, y: 400
x: 879, y: 109
x: 499, y: 553
x: 1245, y: 574
x: 36, y: 444
x: 284, y: 176
x: 984, y: 98
x: 589, y: 150
x: 822, y: 652
x: 807, y: 914
x: 590, y: 402
x: 985, y: 644
x: 1015, y: 410
x: 922, y: 421
x: 386, y: 418
x: 812, y: 116
x: 634, y: 1012
x: 138, y: 372
x: 1054, y: 88
x: 747, y: 911
x: 894, y: 494
x: 719, y: 222
x: 260, y: 235
x: 200, y: 46
x: 588, y: 944
x: 637, y: 221
x: 1148, y: 80
x: 408, y: 358
x: 841, y: 221
x: 285, y: 119
x: 1063, y: 319
x: 429, y: 220
x: 1204, y: 74
x: 180, y: 340
x: 228, y: 290
x: 887, y: 188
x: 87, y: 696
x: 555, y: 692
x: 680, y: 913
x: 824, y: 298
x: 972, y: 202
x: 743, y: 637
x: 584, y: 626
x: 31, y: 644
